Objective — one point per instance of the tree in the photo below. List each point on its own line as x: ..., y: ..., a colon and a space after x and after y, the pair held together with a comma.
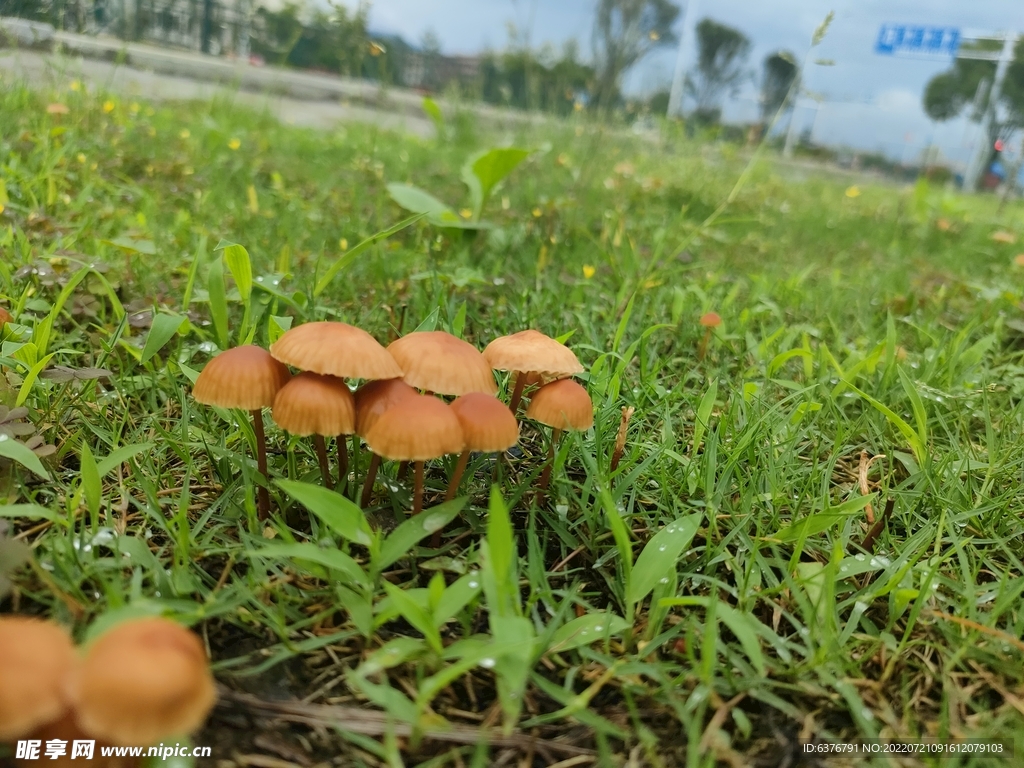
x: 721, y: 55
x: 948, y: 94
x: 624, y: 32
x: 780, y: 71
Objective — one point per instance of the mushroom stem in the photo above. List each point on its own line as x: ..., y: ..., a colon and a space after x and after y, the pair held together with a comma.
x: 371, y: 475
x: 355, y: 466
x: 703, y: 348
x: 321, y: 457
x: 403, y: 470
x: 453, y: 484
x: 545, y: 476
x: 517, y: 391
x: 417, y: 499
x: 262, y: 494
x: 342, y: 450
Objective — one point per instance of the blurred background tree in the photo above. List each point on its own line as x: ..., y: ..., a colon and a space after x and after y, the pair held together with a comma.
x: 779, y: 72
x: 625, y: 31
x: 721, y: 57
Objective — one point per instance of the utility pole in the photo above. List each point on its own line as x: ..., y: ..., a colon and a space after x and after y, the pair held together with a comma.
x: 675, y: 96
x: 976, y: 167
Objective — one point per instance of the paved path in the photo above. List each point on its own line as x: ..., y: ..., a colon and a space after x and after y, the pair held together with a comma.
x: 54, y: 69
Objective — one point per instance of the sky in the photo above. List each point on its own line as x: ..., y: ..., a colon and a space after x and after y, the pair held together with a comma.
x: 872, y: 101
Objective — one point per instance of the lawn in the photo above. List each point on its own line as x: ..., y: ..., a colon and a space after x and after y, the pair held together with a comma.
x: 815, y: 529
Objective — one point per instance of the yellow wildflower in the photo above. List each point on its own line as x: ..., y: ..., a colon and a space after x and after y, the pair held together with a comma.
x: 852, y: 191
x: 588, y: 271
x: 108, y: 106
x: 234, y: 143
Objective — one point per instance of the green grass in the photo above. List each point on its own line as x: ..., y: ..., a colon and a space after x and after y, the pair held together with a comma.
x: 717, y: 569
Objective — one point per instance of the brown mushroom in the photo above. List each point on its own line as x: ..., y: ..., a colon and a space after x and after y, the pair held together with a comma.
x: 709, y: 321
x: 371, y: 400
x: 318, y: 405
x: 530, y: 352
x: 561, y: 405
x: 336, y: 349
x: 36, y: 657
x: 142, y: 681
x: 247, y: 378
x: 436, y: 361
x: 487, y: 426
x: 416, y: 429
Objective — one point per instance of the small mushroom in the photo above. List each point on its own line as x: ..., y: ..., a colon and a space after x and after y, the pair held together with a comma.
x: 142, y: 681
x: 335, y: 349
x: 36, y: 657
x: 561, y: 405
x: 247, y: 378
x: 487, y: 426
x: 372, y: 400
x: 417, y: 428
x: 318, y: 405
x: 535, y: 358
x: 709, y: 321
x: 436, y: 361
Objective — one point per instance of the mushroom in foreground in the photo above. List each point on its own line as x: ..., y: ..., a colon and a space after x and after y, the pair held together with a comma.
x: 321, y: 406
x: 247, y: 378
x: 372, y: 400
x: 141, y: 682
x: 335, y: 349
x: 534, y: 357
x: 417, y: 428
x: 561, y: 405
x: 36, y: 657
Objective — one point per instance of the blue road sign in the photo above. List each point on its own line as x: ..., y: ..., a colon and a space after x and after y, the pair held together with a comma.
x: 916, y: 39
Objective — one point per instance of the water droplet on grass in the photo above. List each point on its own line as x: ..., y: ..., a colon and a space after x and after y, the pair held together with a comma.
x: 487, y: 663
x: 433, y: 522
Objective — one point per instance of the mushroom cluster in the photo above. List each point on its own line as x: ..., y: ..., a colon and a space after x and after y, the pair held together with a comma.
x: 142, y: 681
x: 399, y: 410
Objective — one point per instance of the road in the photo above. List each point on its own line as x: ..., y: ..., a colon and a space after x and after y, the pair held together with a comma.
x: 41, y: 69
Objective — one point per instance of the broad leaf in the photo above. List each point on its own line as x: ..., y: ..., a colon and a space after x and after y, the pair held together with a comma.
x: 416, y: 528
x: 165, y: 325
x: 15, y: 451
x: 334, y: 510
x: 487, y: 169
x: 416, y: 200
x: 239, y: 265
x: 660, y: 556
x: 585, y: 630
x: 334, y: 559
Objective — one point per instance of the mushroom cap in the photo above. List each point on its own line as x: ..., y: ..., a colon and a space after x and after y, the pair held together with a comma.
x: 711, y: 320
x: 313, y: 404
x: 375, y: 397
x: 487, y: 423
x: 532, y: 351
x: 141, y: 682
x: 416, y: 428
x: 337, y: 349
x: 436, y: 361
x: 562, y: 404
x: 35, y: 658
x: 242, y: 377
x: 5, y: 317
